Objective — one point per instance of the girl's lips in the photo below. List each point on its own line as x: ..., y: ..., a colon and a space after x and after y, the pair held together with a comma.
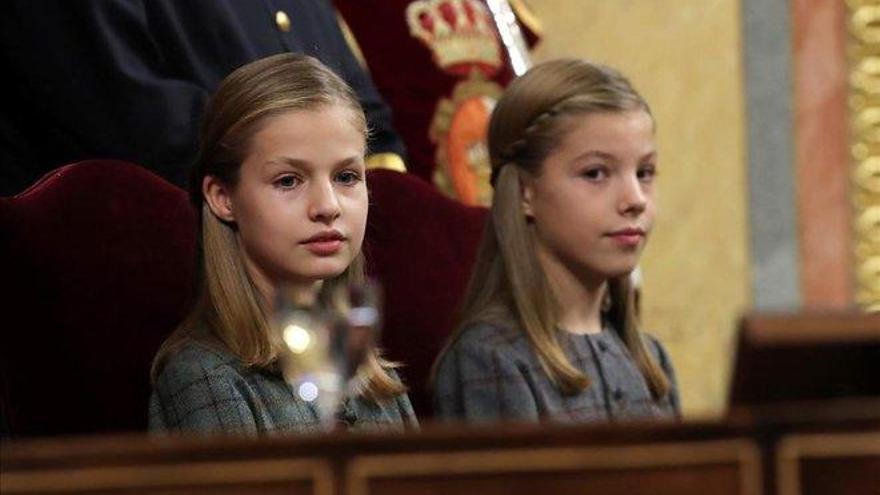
x: 628, y: 240
x: 629, y: 237
x: 327, y: 235
x: 326, y: 247
x: 628, y: 231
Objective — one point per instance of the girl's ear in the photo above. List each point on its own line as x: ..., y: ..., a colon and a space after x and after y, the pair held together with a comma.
x: 527, y: 191
x: 218, y: 197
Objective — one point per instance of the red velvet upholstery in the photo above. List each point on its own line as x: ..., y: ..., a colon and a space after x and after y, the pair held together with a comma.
x: 98, y: 259
x: 421, y: 246
x: 97, y: 262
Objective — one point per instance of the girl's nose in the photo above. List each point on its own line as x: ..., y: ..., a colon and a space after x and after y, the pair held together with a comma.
x: 324, y: 205
x: 633, y: 199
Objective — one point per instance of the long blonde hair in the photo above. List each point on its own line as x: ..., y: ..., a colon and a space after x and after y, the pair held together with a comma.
x: 508, y: 283
x: 229, y: 309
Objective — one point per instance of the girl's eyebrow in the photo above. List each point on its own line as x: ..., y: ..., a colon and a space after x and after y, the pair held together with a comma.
x: 286, y: 161
x: 608, y: 156
x: 651, y: 154
x: 352, y: 160
x: 595, y: 154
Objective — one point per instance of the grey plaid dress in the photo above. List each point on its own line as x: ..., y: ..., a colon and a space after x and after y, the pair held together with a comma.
x: 204, y: 389
x: 492, y: 373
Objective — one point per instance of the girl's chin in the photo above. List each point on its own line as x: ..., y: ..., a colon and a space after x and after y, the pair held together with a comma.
x: 321, y: 275
x: 618, y: 271
x: 310, y: 277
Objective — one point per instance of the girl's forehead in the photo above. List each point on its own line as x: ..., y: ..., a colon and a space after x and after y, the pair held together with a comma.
x: 308, y: 118
x: 626, y: 133
x: 606, y: 123
x: 575, y: 117
x: 333, y: 108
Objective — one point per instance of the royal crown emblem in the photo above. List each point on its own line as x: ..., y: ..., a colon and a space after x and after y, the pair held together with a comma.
x: 460, y: 33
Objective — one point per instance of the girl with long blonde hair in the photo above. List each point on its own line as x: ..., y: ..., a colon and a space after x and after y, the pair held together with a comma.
x: 548, y: 327
x: 279, y: 186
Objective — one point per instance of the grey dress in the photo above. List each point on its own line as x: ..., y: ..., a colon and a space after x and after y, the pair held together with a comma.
x: 491, y: 373
x: 204, y: 389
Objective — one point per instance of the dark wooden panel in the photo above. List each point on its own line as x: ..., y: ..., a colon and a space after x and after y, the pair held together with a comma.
x: 799, y: 357
x: 648, y: 482
x: 729, y: 467
x: 291, y: 477
x: 829, y: 464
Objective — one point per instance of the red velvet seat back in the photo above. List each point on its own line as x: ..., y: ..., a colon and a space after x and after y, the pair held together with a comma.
x: 421, y: 246
x: 97, y: 265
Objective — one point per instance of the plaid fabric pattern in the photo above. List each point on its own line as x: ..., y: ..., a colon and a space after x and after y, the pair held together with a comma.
x: 205, y: 389
x: 492, y: 373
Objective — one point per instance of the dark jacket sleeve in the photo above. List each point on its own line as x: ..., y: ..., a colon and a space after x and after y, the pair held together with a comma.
x: 99, y: 79
x: 129, y: 79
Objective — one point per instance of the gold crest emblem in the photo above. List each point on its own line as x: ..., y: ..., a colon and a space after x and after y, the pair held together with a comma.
x: 461, y: 36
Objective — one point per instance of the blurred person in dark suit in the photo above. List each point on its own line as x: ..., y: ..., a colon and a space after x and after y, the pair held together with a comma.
x: 129, y: 79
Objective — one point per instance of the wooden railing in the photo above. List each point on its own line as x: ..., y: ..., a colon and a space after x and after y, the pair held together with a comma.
x: 807, y: 448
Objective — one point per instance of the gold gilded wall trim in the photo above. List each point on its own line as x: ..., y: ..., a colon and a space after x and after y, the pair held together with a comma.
x: 741, y: 452
x: 864, y: 104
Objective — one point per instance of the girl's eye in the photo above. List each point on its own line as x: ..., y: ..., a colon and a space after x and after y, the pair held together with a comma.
x: 647, y: 173
x: 348, y: 177
x: 595, y: 173
x: 287, y: 181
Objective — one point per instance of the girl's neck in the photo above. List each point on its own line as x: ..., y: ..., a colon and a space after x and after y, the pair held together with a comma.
x: 579, y: 298
x: 299, y: 293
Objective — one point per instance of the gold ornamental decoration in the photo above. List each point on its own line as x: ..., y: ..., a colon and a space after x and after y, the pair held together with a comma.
x: 864, y: 105
x: 459, y: 127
